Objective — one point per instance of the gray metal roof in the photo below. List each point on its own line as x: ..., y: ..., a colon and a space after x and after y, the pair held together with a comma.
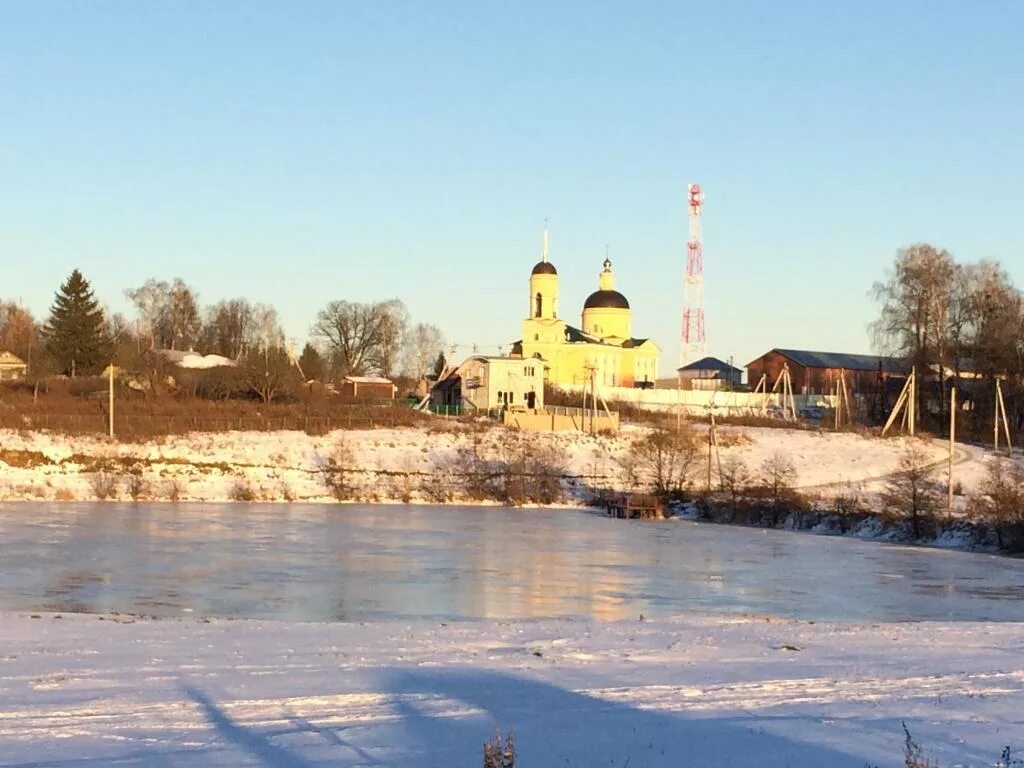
x: 710, y: 364
x: 845, y: 361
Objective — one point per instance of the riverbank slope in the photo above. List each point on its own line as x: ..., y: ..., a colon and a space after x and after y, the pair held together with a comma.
x: 414, y: 464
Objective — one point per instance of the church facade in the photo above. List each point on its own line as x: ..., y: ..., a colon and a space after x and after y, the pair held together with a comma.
x: 603, y: 345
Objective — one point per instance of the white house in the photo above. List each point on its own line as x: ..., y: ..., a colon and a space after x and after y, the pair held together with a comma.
x: 483, y: 383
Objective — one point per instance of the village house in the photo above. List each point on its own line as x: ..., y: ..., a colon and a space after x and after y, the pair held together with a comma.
x: 709, y: 374
x: 12, y: 367
x: 482, y: 383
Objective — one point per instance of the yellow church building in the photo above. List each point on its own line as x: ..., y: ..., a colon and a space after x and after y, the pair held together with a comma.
x: 604, y: 345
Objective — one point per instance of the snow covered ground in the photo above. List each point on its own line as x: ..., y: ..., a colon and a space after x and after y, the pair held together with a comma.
x: 284, y: 465
x: 697, y: 690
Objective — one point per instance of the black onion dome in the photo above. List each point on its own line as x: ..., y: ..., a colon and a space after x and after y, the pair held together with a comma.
x: 606, y: 300
x: 544, y: 268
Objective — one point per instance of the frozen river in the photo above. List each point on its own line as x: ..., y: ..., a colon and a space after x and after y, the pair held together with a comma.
x: 345, y: 563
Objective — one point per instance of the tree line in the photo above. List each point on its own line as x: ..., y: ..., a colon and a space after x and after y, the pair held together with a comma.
x: 79, y: 337
x: 960, y: 324
x: 948, y: 316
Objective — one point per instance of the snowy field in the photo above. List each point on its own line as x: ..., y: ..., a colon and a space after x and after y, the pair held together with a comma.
x: 285, y: 465
x: 693, y: 691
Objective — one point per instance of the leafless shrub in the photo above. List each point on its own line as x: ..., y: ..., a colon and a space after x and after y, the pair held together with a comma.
x: 103, y: 485
x: 137, y: 485
x: 242, y: 490
x: 778, y: 478
x: 405, y: 481
x: 482, y: 475
x: 735, y: 478
x: 546, y: 465
x: 913, y: 491
x: 439, y: 482
x: 629, y: 474
x: 1002, y: 500
x: 285, y: 491
x: 848, y: 501
x: 173, y: 489
x: 336, y: 471
x: 665, y: 459
x: 499, y: 755
x: 776, y: 488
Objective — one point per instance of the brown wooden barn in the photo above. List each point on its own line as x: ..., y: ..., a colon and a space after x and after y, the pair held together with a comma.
x: 816, y: 373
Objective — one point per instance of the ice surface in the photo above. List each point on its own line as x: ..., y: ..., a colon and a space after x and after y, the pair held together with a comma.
x: 359, y: 562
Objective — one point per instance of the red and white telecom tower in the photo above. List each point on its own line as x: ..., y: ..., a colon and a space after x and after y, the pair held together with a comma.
x: 693, y: 345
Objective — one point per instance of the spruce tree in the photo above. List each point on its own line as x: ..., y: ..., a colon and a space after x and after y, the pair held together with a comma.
x: 440, y: 364
x: 74, y: 334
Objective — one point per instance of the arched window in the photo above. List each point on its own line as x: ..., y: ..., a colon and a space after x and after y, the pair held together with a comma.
x: 537, y: 313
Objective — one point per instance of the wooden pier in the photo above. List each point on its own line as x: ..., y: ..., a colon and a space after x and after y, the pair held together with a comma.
x: 635, y: 506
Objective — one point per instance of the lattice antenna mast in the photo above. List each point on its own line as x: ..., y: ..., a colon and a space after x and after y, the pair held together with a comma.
x: 693, y: 345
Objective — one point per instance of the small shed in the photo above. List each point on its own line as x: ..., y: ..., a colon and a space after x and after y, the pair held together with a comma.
x: 710, y: 373
x: 368, y: 388
x: 12, y: 367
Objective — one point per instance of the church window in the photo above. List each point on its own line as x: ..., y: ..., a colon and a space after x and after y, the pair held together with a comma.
x: 538, y: 312
x: 536, y: 337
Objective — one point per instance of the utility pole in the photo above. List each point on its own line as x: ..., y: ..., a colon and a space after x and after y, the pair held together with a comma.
x: 711, y: 443
x: 952, y: 443
x: 110, y: 400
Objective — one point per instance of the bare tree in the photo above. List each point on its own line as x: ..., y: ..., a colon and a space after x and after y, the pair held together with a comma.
x: 183, y: 323
x: 666, y: 459
x: 913, y: 491
x: 423, y: 343
x: 916, y: 303
x: 778, y: 477
x: 1002, y: 500
x: 227, y: 328
x: 266, y: 329
x: 269, y: 373
x: 353, y: 333
x: 150, y: 299
x: 735, y: 478
x: 169, y: 311
x: 943, y: 316
x: 394, y: 321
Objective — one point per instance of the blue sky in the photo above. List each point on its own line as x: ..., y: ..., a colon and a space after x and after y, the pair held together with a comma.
x: 296, y: 153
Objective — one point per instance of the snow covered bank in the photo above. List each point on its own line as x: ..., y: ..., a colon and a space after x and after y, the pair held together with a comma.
x: 693, y: 691
x: 401, y: 464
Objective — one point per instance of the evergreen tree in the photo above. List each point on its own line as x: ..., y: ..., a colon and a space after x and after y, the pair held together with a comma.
x: 311, y: 363
x: 74, y: 334
x: 440, y: 364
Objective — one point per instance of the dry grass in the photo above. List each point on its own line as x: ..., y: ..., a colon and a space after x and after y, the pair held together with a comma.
x: 242, y: 490
x: 81, y: 408
x: 23, y: 459
x: 500, y: 753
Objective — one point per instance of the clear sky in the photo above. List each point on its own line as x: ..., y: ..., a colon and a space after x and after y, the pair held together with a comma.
x: 299, y: 152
